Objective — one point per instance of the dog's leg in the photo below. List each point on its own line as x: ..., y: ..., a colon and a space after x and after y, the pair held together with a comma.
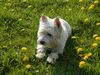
x: 40, y: 52
x: 55, y: 54
x: 52, y: 57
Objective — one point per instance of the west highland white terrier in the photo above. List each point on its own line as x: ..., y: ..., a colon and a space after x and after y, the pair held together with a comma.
x: 52, y: 34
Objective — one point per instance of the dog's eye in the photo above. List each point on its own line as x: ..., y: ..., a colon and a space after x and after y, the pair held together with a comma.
x: 49, y: 34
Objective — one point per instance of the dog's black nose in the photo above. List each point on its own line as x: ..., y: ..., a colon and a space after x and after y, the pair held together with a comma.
x: 42, y: 42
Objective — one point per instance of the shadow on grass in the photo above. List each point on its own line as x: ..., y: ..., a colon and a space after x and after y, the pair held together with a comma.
x: 68, y: 63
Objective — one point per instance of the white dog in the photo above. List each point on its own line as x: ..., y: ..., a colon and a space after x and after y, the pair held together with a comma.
x: 52, y: 34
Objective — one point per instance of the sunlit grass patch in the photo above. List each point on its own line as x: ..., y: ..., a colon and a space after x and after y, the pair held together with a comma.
x: 19, y: 20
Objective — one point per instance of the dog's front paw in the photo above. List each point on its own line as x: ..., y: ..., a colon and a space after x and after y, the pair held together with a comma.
x: 40, y: 55
x: 50, y: 60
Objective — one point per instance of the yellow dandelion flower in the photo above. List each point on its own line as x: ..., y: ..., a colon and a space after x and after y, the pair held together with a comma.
x: 25, y: 58
x: 28, y: 66
x: 73, y: 37
x: 86, y: 20
x: 97, y: 38
x: 94, y: 45
x: 95, y: 35
x: 89, y: 54
x: 91, y: 7
x: 98, y: 24
x: 79, y: 50
x: 24, y: 49
x: 82, y: 8
x: 96, y: 2
x: 85, y: 57
x: 80, y: 1
x: 82, y: 64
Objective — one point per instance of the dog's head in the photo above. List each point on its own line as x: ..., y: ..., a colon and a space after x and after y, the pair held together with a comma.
x: 49, y: 31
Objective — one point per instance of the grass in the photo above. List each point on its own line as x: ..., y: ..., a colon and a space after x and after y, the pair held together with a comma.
x: 19, y: 20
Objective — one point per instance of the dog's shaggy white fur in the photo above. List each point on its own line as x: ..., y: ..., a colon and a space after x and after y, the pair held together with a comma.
x: 52, y: 34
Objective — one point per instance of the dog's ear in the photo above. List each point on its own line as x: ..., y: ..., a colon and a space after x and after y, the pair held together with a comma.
x: 57, y: 22
x: 43, y: 19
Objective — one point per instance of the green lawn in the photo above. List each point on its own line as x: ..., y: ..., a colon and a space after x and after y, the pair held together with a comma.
x: 19, y: 20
